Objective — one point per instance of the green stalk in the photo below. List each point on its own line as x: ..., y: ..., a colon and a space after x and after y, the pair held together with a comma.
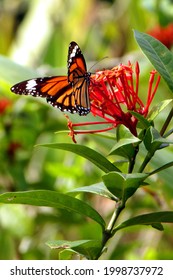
x: 165, y: 125
x: 145, y: 162
x: 108, y: 233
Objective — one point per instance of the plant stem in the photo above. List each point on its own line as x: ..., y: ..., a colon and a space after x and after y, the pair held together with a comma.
x: 162, y: 131
x: 165, y: 125
x: 146, y: 160
x: 132, y: 160
x: 107, y: 234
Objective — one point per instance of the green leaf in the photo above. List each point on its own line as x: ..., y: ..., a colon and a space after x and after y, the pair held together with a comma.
x: 152, y: 219
x: 163, y: 167
x: 154, y: 112
x: 123, y: 185
x: 126, y: 143
x: 88, y: 153
x: 52, y: 199
x: 158, y: 54
x: 98, y: 189
x: 88, y: 248
x: 153, y: 140
x: 157, y: 226
x: 67, y: 254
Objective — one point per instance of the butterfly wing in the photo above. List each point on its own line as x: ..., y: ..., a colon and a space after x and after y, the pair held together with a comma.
x: 68, y: 93
x: 79, y: 78
x: 76, y: 62
x: 57, y: 91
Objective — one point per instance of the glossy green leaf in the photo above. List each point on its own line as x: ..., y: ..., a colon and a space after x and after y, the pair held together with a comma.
x: 153, y: 140
x: 87, y: 248
x: 154, y: 112
x: 98, y: 189
x: 67, y: 254
x: 52, y: 199
x: 125, y: 145
x: 96, y: 158
x: 158, y: 54
x: 152, y: 219
x: 123, y: 185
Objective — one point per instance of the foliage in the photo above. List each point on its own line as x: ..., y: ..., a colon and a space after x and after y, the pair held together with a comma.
x: 77, y: 199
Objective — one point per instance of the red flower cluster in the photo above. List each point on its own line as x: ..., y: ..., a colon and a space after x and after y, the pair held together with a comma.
x: 113, y: 94
x: 163, y: 34
x: 4, y: 104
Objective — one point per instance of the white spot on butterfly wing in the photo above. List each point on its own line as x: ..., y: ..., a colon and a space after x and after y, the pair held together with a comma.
x: 30, y: 85
x: 74, y: 51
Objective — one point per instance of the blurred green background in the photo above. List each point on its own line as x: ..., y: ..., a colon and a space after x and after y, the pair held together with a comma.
x: 34, y: 39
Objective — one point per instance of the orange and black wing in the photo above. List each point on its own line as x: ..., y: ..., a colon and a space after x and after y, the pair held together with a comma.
x: 57, y: 91
x: 68, y: 93
x: 79, y: 78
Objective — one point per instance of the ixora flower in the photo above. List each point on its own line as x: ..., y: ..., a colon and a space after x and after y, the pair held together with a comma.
x: 4, y: 104
x: 113, y: 94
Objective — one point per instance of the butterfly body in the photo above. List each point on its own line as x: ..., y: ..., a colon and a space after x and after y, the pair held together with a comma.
x: 67, y: 93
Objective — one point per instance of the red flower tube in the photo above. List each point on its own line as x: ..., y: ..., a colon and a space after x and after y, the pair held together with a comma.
x: 113, y: 94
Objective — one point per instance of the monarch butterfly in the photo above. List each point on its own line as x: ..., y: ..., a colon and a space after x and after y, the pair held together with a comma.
x: 68, y: 93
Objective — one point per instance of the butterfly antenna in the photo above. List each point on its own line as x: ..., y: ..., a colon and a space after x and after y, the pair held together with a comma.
x: 97, y: 63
